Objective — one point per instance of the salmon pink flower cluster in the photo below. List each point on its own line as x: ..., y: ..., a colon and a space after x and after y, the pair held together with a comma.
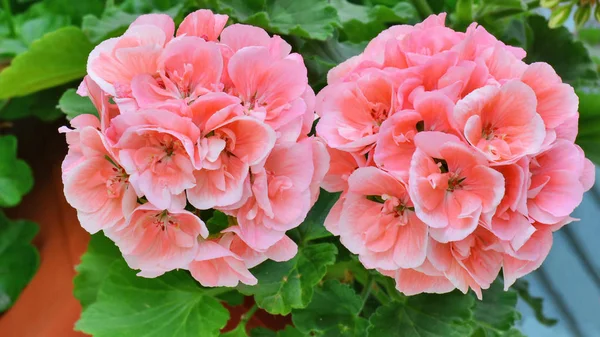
x: 455, y: 158
x: 192, y: 121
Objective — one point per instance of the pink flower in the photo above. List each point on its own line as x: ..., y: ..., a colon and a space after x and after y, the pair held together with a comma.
x: 156, y: 148
x: 230, y: 143
x: 395, y: 145
x: 378, y: 222
x: 451, y: 186
x: 340, y: 168
x: 216, y: 266
x: 204, y: 24
x: 187, y: 68
x: 96, y: 185
x: 352, y: 113
x: 468, y: 263
x: 115, y: 62
x: 272, y: 88
x: 502, y: 123
x: 156, y: 240
x: 556, y: 101
x: 282, y: 192
x: 424, y: 279
x: 559, y: 177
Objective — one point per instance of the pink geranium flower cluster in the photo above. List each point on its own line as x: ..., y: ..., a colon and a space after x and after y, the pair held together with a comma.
x: 213, y: 118
x: 455, y: 158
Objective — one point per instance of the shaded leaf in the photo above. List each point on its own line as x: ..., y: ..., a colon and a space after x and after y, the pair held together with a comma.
x: 58, y: 57
x: 428, y: 315
x: 74, y: 105
x: 289, y: 331
x: 16, y: 178
x: 313, y: 19
x: 496, y: 314
x: 362, y: 23
x: 321, y: 318
x: 94, y: 267
x: 283, y: 286
x: 172, y: 305
x: 536, y: 303
x: 19, y: 260
x: 312, y: 228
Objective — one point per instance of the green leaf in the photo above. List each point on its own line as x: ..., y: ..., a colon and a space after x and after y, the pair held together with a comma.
x: 320, y: 57
x: 289, y: 331
x: 16, y: 178
x: 41, y: 104
x: 94, y: 267
x: 362, y: 23
x: 239, y: 331
x: 74, y: 105
x: 35, y: 28
x: 312, y: 19
x: 11, y: 47
x: 536, y: 303
x: 75, y: 9
x: 559, y: 15
x: 218, y: 222
x: 172, y: 305
x: 321, y: 318
x: 19, y: 260
x: 557, y: 47
x: 589, y: 119
x: 428, y: 315
x: 582, y: 15
x: 58, y: 57
x: 500, y: 8
x: 283, y: 286
x: 312, y: 228
x: 115, y: 20
x: 496, y: 314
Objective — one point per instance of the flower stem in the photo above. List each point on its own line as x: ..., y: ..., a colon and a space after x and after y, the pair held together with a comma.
x: 9, y: 18
x: 423, y: 7
x: 248, y: 315
x: 366, y: 292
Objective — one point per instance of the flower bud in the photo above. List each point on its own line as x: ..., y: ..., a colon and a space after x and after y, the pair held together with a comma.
x: 559, y: 15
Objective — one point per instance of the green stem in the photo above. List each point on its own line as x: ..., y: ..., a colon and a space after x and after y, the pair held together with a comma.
x: 366, y: 292
x: 248, y: 315
x: 9, y: 17
x: 423, y: 7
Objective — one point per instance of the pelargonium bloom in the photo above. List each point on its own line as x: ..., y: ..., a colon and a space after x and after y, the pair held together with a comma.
x: 455, y: 135
x: 192, y: 119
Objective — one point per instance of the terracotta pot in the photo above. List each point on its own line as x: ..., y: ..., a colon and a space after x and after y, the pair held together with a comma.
x: 47, y: 307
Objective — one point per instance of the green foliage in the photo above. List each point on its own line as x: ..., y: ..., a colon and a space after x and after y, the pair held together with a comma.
x: 115, y: 19
x: 289, y: 331
x: 362, y: 23
x: 312, y: 228
x: 218, y: 222
x: 312, y: 19
x: 496, y: 314
x: 170, y: 305
x: 56, y: 58
x: 283, y: 286
x: 19, y: 260
x: 94, y: 267
x: 425, y: 315
x: 73, y: 105
x: 322, y: 318
x: 41, y: 104
x: 536, y: 303
x: 16, y: 178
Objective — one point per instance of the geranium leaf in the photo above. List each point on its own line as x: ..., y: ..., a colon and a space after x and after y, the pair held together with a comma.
x: 16, y: 178
x: 536, y: 303
x: 446, y: 315
x: 312, y: 228
x: 312, y: 19
x: 496, y: 314
x: 283, y: 286
x: 19, y: 260
x: 362, y: 23
x: 172, y: 305
x: 94, y: 267
x: 56, y: 58
x: 289, y: 331
x: 321, y: 318
x: 74, y: 105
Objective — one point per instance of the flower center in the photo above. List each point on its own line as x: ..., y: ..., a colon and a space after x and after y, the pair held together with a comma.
x: 163, y: 220
x: 455, y: 182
